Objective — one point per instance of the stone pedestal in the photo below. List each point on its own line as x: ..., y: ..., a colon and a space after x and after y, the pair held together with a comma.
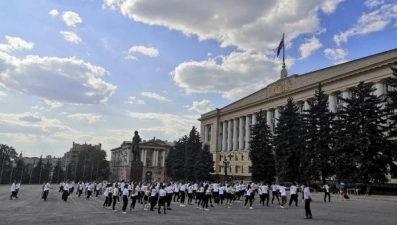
x: 136, y: 172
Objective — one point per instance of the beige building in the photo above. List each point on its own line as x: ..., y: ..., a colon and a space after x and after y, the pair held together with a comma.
x: 153, y: 154
x: 74, y: 151
x: 227, y: 130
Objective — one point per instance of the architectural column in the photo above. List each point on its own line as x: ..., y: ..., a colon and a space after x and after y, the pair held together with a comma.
x: 253, y: 119
x: 269, y: 118
x: 276, y: 116
x: 379, y: 88
x: 229, y: 135
x: 163, y: 161
x: 241, y: 133
x: 307, y: 106
x: 142, y: 155
x: 345, y: 95
x: 332, y: 102
x: 247, y: 131
x: 224, y: 135
x: 235, y: 134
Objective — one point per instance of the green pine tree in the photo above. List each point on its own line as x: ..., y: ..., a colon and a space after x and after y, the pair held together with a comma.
x: 261, y: 151
x: 392, y: 102
x: 175, y: 160
x: 363, y: 153
x: 204, y: 165
x: 288, y: 143
x: 193, y: 147
x: 316, y: 158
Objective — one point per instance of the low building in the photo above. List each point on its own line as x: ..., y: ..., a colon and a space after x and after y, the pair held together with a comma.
x: 153, y: 154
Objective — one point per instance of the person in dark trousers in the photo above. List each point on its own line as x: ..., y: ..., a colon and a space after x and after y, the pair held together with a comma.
x: 308, y: 198
x: 170, y: 191
x: 153, y: 197
x: 65, y: 193
x: 13, y: 188
x: 248, y: 196
x: 162, y: 200
x: 326, y: 193
x: 293, y: 195
x: 275, y: 192
x: 115, y: 197
x: 46, y: 190
x: 125, y: 199
x: 134, y: 197
x: 89, y: 190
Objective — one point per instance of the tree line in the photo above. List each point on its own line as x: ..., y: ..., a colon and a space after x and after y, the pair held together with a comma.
x: 189, y: 159
x: 90, y: 164
x: 357, y: 143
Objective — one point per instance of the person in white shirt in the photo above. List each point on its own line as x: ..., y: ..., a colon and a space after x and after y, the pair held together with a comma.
x: 125, y: 199
x: 162, y: 199
x: 89, y: 190
x: 17, y: 187
x: 65, y: 194
x: 46, y: 190
x: 190, y: 194
x: 97, y: 189
x: 80, y: 187
x: 182, y: 191
x: 264, y: 194
x: 248, y: 196
x: 13, y: 190
x: 170, y: 191
x: 115, y: 196
x: 222, y: 194
x: 308, y: 198
x: 153, y: 197
x: 106, y: 194
x: 283, y: 193
x: 326, y: 193
x: 176, y: 192
x: 275, y: 192
x: 134, y: 196
x: 293, y: 195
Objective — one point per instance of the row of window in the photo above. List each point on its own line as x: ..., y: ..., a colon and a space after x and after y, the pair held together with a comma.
x: 237, y: 169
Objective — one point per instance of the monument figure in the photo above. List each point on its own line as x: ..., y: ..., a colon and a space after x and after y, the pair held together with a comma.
x: 135, y: 147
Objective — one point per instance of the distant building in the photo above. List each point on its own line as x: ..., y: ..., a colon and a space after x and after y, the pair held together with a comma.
x: 74, y: 151
x: 153, y: 154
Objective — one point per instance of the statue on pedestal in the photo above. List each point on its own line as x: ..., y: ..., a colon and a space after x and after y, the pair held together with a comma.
x: 135, y: 147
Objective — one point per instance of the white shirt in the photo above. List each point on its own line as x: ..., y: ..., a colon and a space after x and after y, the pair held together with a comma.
x: 306, y: 193
x: 13, y: 187
x: 162, y: 193
x: 282, y: 191
x: 17, y: 186
x: 249, y: 191
x: 264, y: 189
x: 326, y: 187
x: 47, y: 187
x: 274, y: 187
x: 195, y: 187
x: 154, y: 192
x: 126, y: 192
x: 292, y: 190
x: 115, y: 191
x: 215, y: 187
x: 222, y: 190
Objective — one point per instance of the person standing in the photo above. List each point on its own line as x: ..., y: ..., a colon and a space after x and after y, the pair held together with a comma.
x: 293, y: 195
x: 126, y: 193
x: 264, y: 194
x: 162, y: 199
x: 308, y: 198
x: 13, y: 188
x: 65, y: 193
x: 182, y: 194
x: 342, y: 190
x: 248, y: 196
x: 89, y: 190
x: 153, y: 197
x: 283, y: 194
x: 17, y: 187
x: 46, y: 190
x: 134, y: 197
x: 115, y: 196
x: 326, y: 193
x: 275, y: 192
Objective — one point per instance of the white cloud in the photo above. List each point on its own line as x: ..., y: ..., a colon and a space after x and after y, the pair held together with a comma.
x: 200, y: 107
x: 373, y: 3
x: 235, y: 76
x: 71, y: 18
x: 30, y: 117
x: 72, y: 80
x: 249, y: 25
x: 374, y: 21
x: 310, y: 45
x: 89, y: 117
x: 2, y: 94
x: 53, y: 104
x: 71, y: 36
x: 54, y: 12
x: 337, y: 55
x: 134, y: 100
x: 167, y: 124
x: 147, y: 51
x: 16, y: 44
x: 155, y: 96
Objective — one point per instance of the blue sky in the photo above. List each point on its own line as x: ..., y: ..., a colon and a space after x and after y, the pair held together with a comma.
x: 97, y: 70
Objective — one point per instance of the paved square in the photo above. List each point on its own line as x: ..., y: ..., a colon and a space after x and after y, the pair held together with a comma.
x: 30, y: 209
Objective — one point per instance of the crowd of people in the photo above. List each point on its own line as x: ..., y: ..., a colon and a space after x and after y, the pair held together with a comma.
x: 147, y: 196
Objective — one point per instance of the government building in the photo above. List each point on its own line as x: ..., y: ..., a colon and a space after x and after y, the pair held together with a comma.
x: 153, y: 154
x: 227, y: 130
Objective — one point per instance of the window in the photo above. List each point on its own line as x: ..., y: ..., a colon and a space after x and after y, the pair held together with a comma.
x: 220, y: 169
x: 250, y: 169
x: 242, y: 157
x: 236, y: 169
x: 209, y: 133
x: 242, y: 169
x: 301, y: 107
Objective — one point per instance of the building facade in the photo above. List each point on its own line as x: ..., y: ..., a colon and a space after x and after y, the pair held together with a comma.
x: 227, y: 130
x: 153, y: 154
x: 74, y: 151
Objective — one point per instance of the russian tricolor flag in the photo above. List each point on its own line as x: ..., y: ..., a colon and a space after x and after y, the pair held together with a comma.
x: 280, y: 46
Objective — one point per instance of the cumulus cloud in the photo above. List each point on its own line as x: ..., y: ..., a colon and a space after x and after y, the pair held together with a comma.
x: 89, y: 117
x: 54, y: 12
x: 155, y: 96
x: 373, y: 3
x: 71, y: 36
x: 374, y: 21
x: 30, y: 117
x: 135, y: 101
x: 15, y: 44
x: 71, y: 19
x: 232, y: 23
x: 337, y: 55
x: 72, y: 80
x: 200, y: 106
x: 142, y: 50
x: 168, y: 124
x: 53, y: 104
x: 310, y: 45
x: 235, y: 76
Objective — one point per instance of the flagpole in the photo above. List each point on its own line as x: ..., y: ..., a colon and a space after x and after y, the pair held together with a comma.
x: 283, y: 52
